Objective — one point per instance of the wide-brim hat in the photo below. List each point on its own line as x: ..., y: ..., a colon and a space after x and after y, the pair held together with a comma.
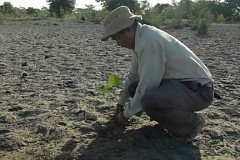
x: 117, y: 20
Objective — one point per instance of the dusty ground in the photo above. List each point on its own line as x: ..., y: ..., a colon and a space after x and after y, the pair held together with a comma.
x: 52, y: 107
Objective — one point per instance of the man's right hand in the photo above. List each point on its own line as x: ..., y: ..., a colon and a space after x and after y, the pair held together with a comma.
x: 119, y: 108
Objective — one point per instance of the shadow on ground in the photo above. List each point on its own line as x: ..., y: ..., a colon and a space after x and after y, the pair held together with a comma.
x: 146, y: 143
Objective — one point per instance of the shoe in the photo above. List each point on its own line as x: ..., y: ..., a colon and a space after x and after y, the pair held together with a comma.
x: 190, y: 137
x: 200, y: 126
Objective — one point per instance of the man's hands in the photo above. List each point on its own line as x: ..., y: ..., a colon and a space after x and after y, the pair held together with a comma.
x: 118, y: 109
x: 119, y: 117
x: 121, y: 120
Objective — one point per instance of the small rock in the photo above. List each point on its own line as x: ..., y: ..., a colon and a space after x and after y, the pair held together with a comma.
x: 15, y: 108
x: 91, y: 93
x: 70, y: 145
x: 25, y: 114
x: 46, y: 56
x: 24, y: 75
x: 70, y: 84
x: 62, y: 123
x: 24, y: 64
x: 72, y: 101
x: 3, y: 119
x: 216, y: 135
x: 3, y: 131
x: 55, y: 133
x: 90, y: 116
x: 8, y: 92
x: 42, y: 129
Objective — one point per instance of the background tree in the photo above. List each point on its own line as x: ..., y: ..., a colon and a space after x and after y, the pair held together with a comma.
x: 231, y: 9
x: 6, y: 8
x: 20, y: 13
x: 110, y: 5
x: 32, y: 11
x: 160, y: 7
x: 61, y: 7
x: 44, y: 12
x: 187, y: 8
x: 152, y: 15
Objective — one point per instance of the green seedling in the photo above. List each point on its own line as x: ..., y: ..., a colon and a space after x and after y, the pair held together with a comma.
x: 113, y: 82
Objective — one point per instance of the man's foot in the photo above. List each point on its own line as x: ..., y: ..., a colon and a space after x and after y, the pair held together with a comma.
x: 200, y: 126
x: 190, y: 137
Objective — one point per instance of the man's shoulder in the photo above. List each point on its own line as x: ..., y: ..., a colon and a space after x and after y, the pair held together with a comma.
x: 151, y: 33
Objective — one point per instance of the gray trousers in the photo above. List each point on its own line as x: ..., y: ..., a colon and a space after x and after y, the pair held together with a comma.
x: 173, y: 104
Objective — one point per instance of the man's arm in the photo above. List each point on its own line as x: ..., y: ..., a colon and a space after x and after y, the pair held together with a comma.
x: 132, y: 76
x: 151, y: 63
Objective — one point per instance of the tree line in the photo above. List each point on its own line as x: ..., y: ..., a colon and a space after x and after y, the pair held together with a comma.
x: 181, y: 13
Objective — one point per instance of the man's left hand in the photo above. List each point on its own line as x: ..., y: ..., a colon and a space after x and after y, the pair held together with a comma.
x: 121, y: 120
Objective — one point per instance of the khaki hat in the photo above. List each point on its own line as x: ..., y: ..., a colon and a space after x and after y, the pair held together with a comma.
x: 117, y: 20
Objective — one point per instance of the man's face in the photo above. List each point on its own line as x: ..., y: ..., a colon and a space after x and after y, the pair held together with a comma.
x: 125, y: 38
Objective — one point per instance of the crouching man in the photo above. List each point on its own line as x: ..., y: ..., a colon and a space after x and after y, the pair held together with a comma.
x: 166, y: 80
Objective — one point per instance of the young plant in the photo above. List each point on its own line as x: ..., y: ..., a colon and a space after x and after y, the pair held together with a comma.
x: 113, y: 82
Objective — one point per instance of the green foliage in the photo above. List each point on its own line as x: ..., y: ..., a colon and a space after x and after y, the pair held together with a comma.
x: 20, y: 13
x: 151, y: 17
x: 6, y: 8
x: 176, y: 21
x: 110, y: 5
x: 231, y: 9
x: 31, y: 11
x: 113, y: 81
x: 107, y: 89
x: 203, y: 27
x: 61, y: 7
x: 172, y: 17
x: 221, y: 18
x: 90, y: 14
x: 83, y: 18
x: 43, y: 13
x: 204, y: 22
x: 186, y: 6
x: 2, y: 18
x: 51, y: 22
x: 185, y: 13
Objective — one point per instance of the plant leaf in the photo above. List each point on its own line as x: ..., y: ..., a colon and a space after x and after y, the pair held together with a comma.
x: 107, y: 89
x: 113, y: 80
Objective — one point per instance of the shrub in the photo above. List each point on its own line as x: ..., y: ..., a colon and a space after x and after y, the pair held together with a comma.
x: 151, y: 17
x: 172, y: 17
x: 203, y: 27
x: 83, y: 18
x: 202, y: 22
x: 2, y: 18
x: 221, y: 18
x: 176, y: 23
x: 51, y: 22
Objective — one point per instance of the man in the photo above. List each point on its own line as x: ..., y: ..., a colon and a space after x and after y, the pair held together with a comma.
x: 166, y: 80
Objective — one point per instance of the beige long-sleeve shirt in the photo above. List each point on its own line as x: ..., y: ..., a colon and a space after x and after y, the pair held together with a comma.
x: 158, y: 56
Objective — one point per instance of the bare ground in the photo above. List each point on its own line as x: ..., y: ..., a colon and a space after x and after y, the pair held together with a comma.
x: 52, y: 107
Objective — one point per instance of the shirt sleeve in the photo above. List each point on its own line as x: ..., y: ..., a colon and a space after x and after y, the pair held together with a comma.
x: 151, y: 61
x: 132, y: 76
